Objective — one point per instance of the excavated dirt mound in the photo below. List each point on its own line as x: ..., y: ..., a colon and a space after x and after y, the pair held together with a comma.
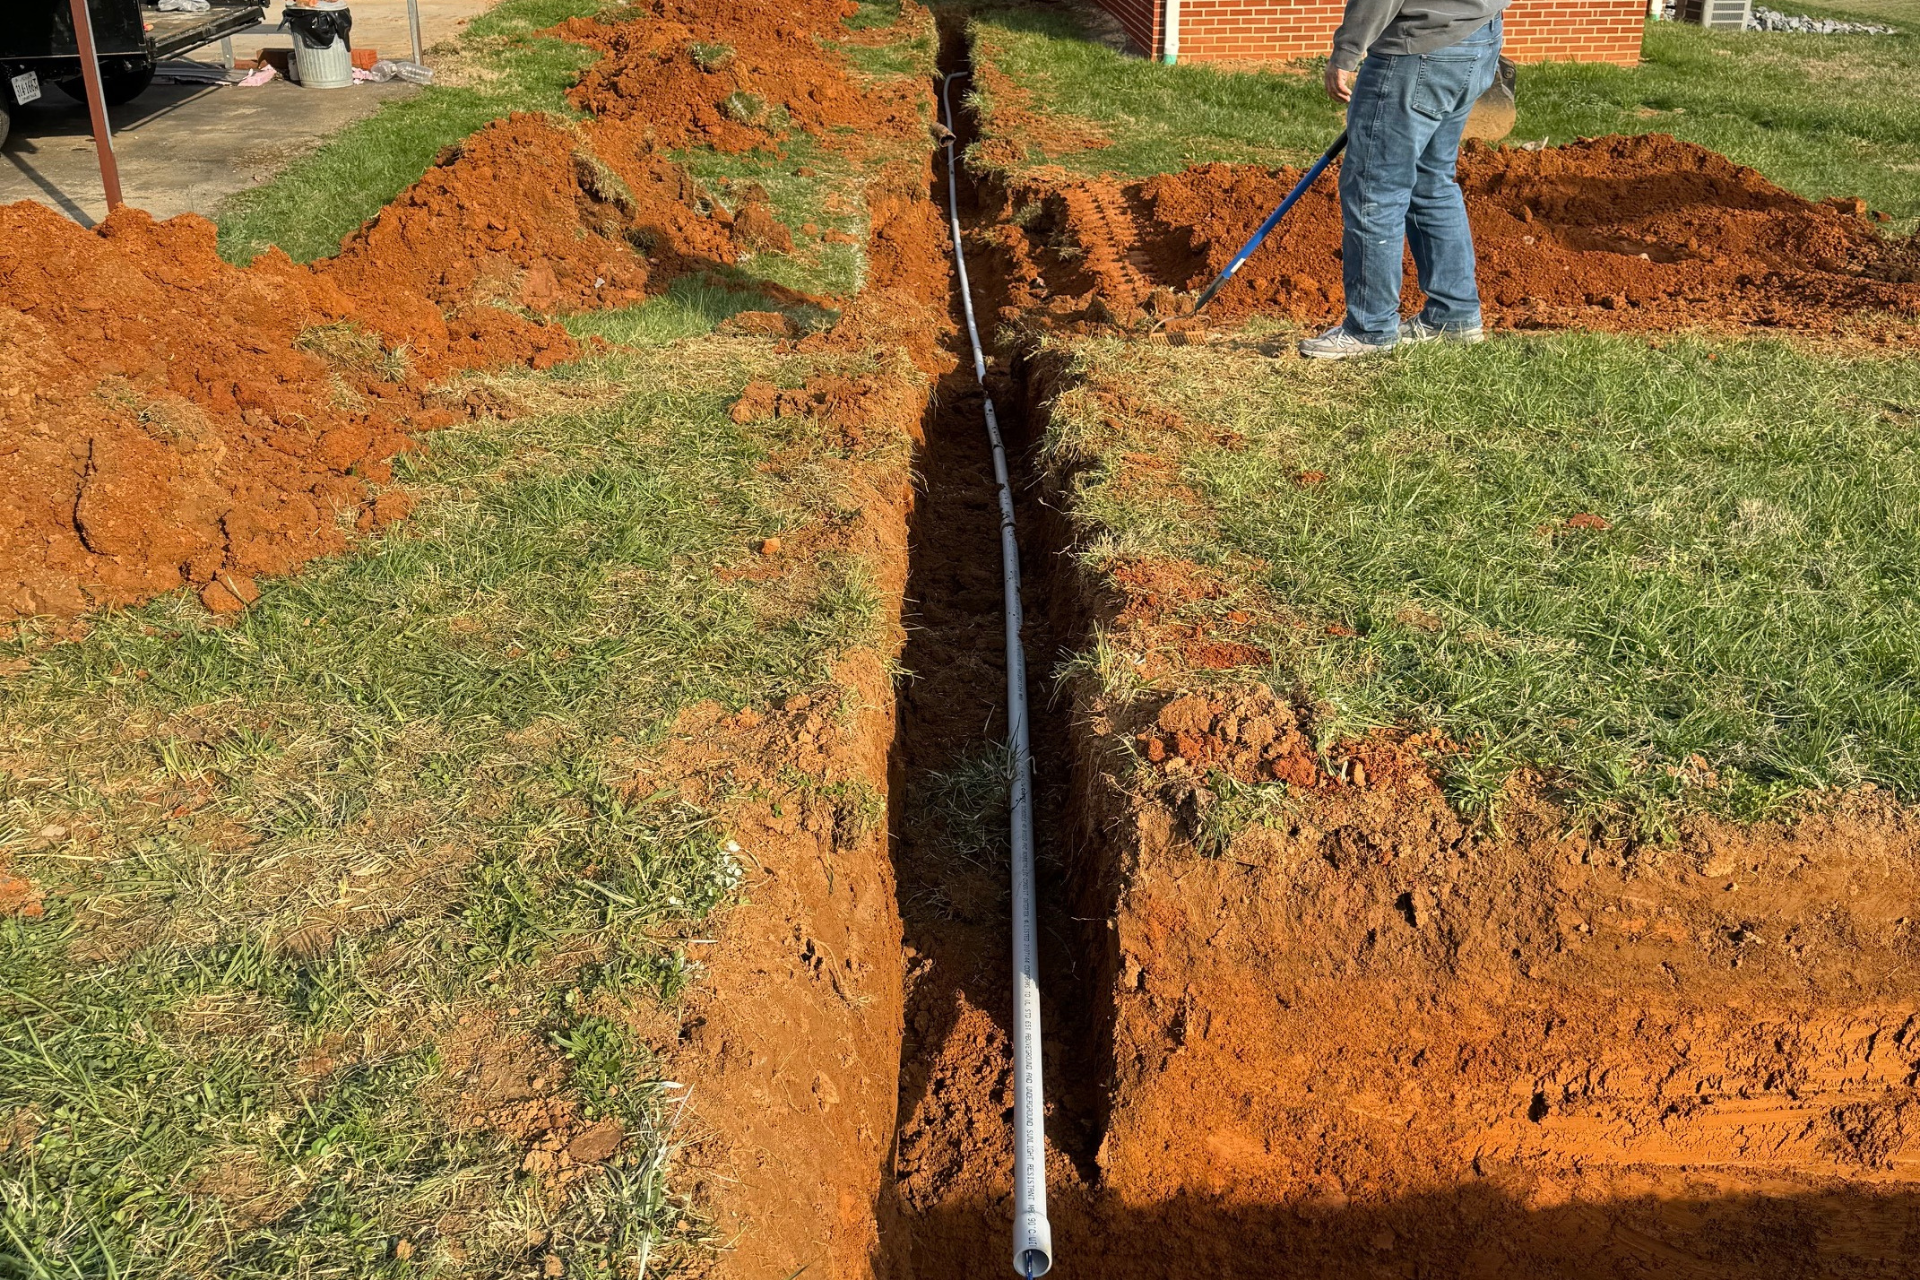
x: 511, y: 214
x: 167, y: 419
x: 737, y: 74
x: 1612, y: 233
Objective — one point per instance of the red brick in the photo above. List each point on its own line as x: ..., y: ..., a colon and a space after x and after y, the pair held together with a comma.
x: 1246, y: 30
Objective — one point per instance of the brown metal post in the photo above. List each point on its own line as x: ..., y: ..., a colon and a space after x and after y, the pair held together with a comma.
x: 96, y: 103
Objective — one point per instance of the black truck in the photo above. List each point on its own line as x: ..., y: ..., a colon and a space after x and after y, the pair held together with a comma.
x: 37, y: 46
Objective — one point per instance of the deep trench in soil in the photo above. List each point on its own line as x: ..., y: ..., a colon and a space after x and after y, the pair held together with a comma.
x: 952, y: 1164
x: 1256, y: 1145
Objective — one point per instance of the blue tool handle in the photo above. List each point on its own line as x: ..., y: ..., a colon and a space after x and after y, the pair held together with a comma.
x: 1273, y: 219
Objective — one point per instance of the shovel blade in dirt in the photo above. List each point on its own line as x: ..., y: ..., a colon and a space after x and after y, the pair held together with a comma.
x: 1495, y: 110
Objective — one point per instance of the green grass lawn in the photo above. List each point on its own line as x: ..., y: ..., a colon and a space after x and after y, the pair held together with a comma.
x: 1745, y: 628
x: 1821, y: 115
x: 308, y: 871
x: 289, y: 862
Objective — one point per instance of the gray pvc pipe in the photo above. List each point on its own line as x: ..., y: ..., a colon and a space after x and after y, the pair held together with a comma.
x: 1032, y: 1236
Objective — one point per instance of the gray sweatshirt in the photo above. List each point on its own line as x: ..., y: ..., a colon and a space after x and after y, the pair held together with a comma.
x: 1407, y: 26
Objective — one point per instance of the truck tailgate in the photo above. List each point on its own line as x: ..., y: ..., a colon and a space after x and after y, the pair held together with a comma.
x: 173, y: 34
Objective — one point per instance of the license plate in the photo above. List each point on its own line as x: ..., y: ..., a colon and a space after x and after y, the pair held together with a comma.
x: 26, y: 87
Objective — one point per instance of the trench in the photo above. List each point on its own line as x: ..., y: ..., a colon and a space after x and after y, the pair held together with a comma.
x: 1242, y: 1158
x: 950, y: 1211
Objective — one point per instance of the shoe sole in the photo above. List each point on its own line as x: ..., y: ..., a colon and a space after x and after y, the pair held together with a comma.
x: 1464, y: 339
x: 1342, y: 355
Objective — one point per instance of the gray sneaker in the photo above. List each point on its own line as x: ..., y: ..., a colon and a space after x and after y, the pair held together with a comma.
x: 1337, y: 344
x: 1418, y: 330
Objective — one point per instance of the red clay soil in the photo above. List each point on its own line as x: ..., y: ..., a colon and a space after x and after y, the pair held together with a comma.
x: 1373, y: 1040
x: 170, y: 420
x: 165, y: 419
x: 1618, y: 233
x: 790, y: 1049
x: 735, y: 74
x: 500, y: 216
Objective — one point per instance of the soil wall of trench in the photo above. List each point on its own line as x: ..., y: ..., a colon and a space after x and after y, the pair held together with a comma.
x: 792, y: 1048
x: 1373, y: 1041
x: 1380, y: 1041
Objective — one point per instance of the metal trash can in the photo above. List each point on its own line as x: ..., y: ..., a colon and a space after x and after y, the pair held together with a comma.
x: 322, y: 45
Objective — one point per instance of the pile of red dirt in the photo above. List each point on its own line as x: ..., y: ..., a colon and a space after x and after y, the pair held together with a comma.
x: 518, y: 213
x: 167, y: 419
x: 555, y: 218
x: 736, y: 74
x: 1618, y: 233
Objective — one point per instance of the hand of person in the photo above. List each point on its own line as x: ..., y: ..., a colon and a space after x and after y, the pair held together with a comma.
x: 1339, y: 84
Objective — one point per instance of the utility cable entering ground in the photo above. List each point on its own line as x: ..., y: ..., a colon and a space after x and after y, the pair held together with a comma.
x: 1032, y: 1236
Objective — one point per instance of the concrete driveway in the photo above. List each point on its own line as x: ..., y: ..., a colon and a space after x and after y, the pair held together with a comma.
x: 187, y: 147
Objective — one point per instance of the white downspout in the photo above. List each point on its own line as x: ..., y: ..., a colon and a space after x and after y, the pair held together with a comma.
x: 1171, y: 45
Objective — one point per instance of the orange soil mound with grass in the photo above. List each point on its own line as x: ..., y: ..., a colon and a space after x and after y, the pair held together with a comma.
x: 1618, y: 233
x: 735, y: 75
x: 552, y: 217
x: 169, y: 420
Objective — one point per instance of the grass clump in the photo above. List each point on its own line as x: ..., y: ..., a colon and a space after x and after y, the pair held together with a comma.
x: 709, y: 56
x: 1231, y: 806
x: 1664, y: 578
x: 810, y: 186
x: 348, y: 346
x: 752, y: 109
x: 868, y: 14
x: 969, y: 801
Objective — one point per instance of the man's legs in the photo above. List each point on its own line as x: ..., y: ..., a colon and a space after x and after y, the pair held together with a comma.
x: 1403, y: 134
x: 1437, y: 229
x: 1385, y: 139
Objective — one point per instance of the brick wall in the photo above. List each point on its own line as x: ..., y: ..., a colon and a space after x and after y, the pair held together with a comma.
x: 1276, y: 30
x: 1576, y: 31
x: 1141, y: 19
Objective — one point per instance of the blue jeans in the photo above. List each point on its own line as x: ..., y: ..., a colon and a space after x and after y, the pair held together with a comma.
x: 1397, y: 186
